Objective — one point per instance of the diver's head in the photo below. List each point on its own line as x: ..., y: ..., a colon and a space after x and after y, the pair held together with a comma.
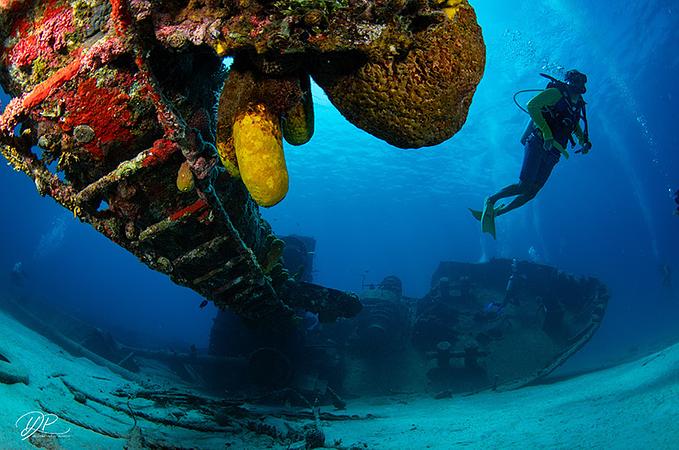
x: 576, y: 80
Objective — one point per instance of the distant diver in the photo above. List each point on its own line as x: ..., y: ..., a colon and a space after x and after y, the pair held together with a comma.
x: 17, y: 275
x: 676, y: 200
x: 555, y: 115
x: 511, y: 290
x: 666, y: 272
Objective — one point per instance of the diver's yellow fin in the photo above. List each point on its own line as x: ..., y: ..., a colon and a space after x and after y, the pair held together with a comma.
x: 489, y: 227
x: 488, y: 219
x: 476, y: 213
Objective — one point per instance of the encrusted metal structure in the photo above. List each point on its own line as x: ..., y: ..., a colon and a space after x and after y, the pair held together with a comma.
x: 497, y: 325
x: 114, y: 116
x: 503, y: 323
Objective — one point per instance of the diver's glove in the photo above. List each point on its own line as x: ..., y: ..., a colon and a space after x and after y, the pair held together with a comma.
x: 586, y: 147
x: 549, y: 143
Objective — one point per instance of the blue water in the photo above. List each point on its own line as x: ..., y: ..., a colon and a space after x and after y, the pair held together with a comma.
x: 376, y: 210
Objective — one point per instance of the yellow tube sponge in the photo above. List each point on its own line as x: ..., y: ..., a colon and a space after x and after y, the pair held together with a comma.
x: 259, y: 150
x: 298, y: 120
x: 227, y: 155
x: 450, y: 8
x: 185, y: 178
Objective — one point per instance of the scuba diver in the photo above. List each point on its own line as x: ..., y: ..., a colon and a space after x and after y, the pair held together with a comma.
x: 555, y: 116
x: 666, y: 272
x: 676, y: 200
x: 17, y: 275
x: 511, y: 291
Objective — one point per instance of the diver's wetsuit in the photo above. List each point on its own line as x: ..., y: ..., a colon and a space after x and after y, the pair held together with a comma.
x: 537, y: 162
x: 554, y: 117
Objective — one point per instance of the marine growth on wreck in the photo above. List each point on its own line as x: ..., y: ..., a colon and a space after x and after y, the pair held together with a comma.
x: 122, y: 111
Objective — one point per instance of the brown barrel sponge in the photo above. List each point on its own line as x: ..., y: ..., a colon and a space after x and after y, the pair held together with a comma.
x: 415, y: 94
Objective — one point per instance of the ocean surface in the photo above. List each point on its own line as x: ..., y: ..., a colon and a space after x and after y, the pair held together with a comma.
x: 376, y: 210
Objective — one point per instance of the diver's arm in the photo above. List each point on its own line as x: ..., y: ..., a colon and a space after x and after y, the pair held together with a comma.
x: 545, y: 99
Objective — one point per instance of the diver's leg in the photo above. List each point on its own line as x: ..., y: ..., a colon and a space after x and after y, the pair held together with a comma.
x: 532, y: 182
x: 490, y: 201
x: 532, y: 155
x: 536, y: 168
x: 521, y: 200
x: 508, y: 191
x: 487, y: 216
x: 525, y: 189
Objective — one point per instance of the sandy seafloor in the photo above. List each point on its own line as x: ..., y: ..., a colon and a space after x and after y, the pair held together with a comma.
x: 634, y: 405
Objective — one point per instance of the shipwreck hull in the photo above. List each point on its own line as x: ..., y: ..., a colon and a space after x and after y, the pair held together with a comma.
x: 506, y: 323
x: 496, y: 325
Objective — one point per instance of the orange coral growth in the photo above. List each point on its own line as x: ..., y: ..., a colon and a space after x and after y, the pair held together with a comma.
x: 161, y: 151
x: 191, y: 209
x: 44, y: 89
x: 45, y: 37
x: 11, y: 5
x: 105, y: 110
x: 120, y: 16
x: 18, y: 106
